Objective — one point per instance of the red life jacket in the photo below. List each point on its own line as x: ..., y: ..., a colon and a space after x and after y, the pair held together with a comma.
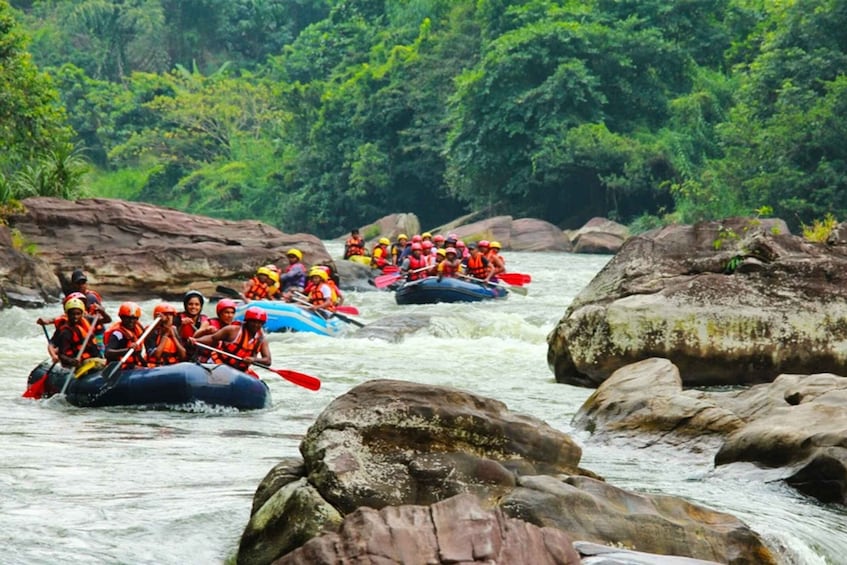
x: 167, y: 355
x: 416, y: 263
x: 257, y: 291
x: 187, y: 330
x: 447, y: 269
x: 477, y: 266
x: 243, y: 346
x: 379, y: 260
x: 76, y: 337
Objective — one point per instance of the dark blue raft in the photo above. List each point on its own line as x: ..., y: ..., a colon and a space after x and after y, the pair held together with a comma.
x: 170, y: 385
x: 431, y: 290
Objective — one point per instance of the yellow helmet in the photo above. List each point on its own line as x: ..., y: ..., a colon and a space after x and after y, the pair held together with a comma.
x: 265, y: 271
x: 296, y: 252
x: 402, y: 236
x: 74, y: 303
x: 319, y: 272
x: 384, y: 241
x: 494, y: 245
x: 426, y: 234
x: 442, y: 252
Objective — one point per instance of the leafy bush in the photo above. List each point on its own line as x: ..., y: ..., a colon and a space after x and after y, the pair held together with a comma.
x: 819, y: 231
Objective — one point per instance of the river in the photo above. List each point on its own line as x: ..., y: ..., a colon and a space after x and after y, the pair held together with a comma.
x: 135, y: 486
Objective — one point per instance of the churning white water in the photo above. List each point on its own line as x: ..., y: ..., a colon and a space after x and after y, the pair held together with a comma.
x: 135, y: 486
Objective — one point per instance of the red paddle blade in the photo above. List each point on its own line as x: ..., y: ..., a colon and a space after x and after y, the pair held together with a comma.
x: 36, y: 389
x: 300, y: 379
x: 383, y: 281
x: 517, y: 279
x: 389, y: 269
x: 352, y: 310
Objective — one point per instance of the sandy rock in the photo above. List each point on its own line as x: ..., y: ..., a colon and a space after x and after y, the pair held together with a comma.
x: 599, y: 235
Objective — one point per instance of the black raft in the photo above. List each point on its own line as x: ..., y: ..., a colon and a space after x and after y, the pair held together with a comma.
x: 169, y: 385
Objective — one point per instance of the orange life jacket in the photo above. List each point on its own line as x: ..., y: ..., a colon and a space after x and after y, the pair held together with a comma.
x: 242, y: 346
x: 477, y: 266
x: 77, y: 334
x: 316, y: 296
x: 257, y: 291
x: 130, y: 335
x: 168, y: 355
x: 354, y: 246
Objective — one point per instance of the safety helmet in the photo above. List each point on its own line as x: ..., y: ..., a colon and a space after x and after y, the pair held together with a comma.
x: 450, y: 250
x: 452, y: 236
x: 438, y: 238
x: 427, y: 244
x: 190, y: 293
x: 442, y: 252
x: 163, y: 308
x: 296, y: 253
x: 74, y: 303
x: 255, y: 313
x: 71, y: 296
x: 417, y: 247
x: 265, y: 271
x: 483, y: 243
x: 426, y: 234
x: 223, y: 304
x: 495, y: 245
x: 460, y: 243
x: 315, y: 271
x: 402, y: 236
x: 129, y: 309
x: 384, y: 241
x: 416, y: 238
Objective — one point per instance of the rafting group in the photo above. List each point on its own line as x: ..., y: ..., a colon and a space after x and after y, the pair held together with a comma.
x: 85, y: 338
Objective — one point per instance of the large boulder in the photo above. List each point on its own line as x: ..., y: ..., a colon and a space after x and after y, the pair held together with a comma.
x: 794, y: 424
x: 738, y: 301
x: 132, y: 249
x: 26, y: 280
x: 388, y: 444
x: 599, y: 235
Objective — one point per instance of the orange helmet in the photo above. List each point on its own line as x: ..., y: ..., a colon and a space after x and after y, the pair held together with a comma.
x: 130, y: 309
x: 163, y: 308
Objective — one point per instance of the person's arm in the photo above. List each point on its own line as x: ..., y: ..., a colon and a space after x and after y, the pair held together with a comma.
x: 264, y: 355
x: 223, y: 334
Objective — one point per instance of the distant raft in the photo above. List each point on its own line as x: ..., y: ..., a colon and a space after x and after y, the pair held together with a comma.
x: 168, y: 385
x: 430, y: 290
x: 289, y: 317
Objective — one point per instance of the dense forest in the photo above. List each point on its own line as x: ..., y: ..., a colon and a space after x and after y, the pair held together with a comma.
x: 321, y: 115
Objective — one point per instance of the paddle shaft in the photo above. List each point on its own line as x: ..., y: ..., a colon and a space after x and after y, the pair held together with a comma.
x: 300, y: 298
x: 383, y: 281
x: 516, y: 289
x: 300, y: 379
x: 130, y: 350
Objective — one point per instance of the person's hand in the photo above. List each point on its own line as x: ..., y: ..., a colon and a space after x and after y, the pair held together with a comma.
x: 136, y: 346
x: 249, y: 360
x: 54, y: 357
x: 43, y: 322
x: 191, y: 341
x: 187, y: 320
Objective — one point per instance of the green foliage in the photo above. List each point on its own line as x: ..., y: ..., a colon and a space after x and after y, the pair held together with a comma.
x: 820, y: 230
x: 371, y: 232
x: 20, y: 243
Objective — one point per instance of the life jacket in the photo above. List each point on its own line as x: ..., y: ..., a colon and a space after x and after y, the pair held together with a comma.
x: 242, y: 346
x: 77, y: 333
x: 257, y: 291
x: 316, y: 296
x: 169, y: 355
x: 497, y: 261
x: 448, y: 269
x: 187, y: 330
x: 477, y: 267
x: 417, y: 263
x: 379, y: 256
x: 130, y: 335
x: 396, y: 252
x: 354, y: 246
x: 336, y: 292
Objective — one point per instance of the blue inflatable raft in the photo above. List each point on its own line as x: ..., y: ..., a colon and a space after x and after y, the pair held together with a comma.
x: 288, y: 317
x: 169, y: 385
x: 430, y: 290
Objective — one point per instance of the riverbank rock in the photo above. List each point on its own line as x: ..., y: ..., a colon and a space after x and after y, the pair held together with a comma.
x: 389, y: 444
x: 26, y: 280
x: 137, y: 250
x: 600, y: 236
x: 732, y: 302
x: 795, y: 425
x: 524, y: 234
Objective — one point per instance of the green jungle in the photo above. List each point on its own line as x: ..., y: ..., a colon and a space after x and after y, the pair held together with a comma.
x: 322, y: 115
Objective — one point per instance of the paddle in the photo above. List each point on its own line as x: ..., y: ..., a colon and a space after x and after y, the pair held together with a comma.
x: 383, y: 281
x: 517, y: 279
x: 110, y: 370
x: 300, y: 298
x: 300, y: 379
x: 516, y: 289
x: 36, y: 389
x: 232, y: 293
x: 81, y: 350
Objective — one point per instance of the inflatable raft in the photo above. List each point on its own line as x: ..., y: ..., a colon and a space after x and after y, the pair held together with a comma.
x: 289, y: 317
x: 430, y: 290
x: 169, y: 385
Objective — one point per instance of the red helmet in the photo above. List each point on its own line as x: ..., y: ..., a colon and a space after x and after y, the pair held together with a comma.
x: 71, y: 296
x: 417, y: 247
x: 416, y: 238
x: 223, y: 304
x: 451, y: 250
x: 426, y: 244
x: 483, y: 243
x: 460, y: 244
x: 163, y: 308
x: 438, y: 238
x: 130, y: 309
x: 255, y: 313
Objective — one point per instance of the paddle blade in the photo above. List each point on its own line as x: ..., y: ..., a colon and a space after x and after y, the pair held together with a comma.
x: 300, y: 379
x: 383, y: 281
x: 36, y: 389
x: 227, y: 291
x: 518, y: 290
x: 352, y: 310
x: 517, y: 279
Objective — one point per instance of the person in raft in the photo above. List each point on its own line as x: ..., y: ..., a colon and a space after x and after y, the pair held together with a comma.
x: 72, y: 329
x: 245, y: 343
x: 354, y: 245
x: 122, y: 337
x: 93, y: 306
x: 163, y: 345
